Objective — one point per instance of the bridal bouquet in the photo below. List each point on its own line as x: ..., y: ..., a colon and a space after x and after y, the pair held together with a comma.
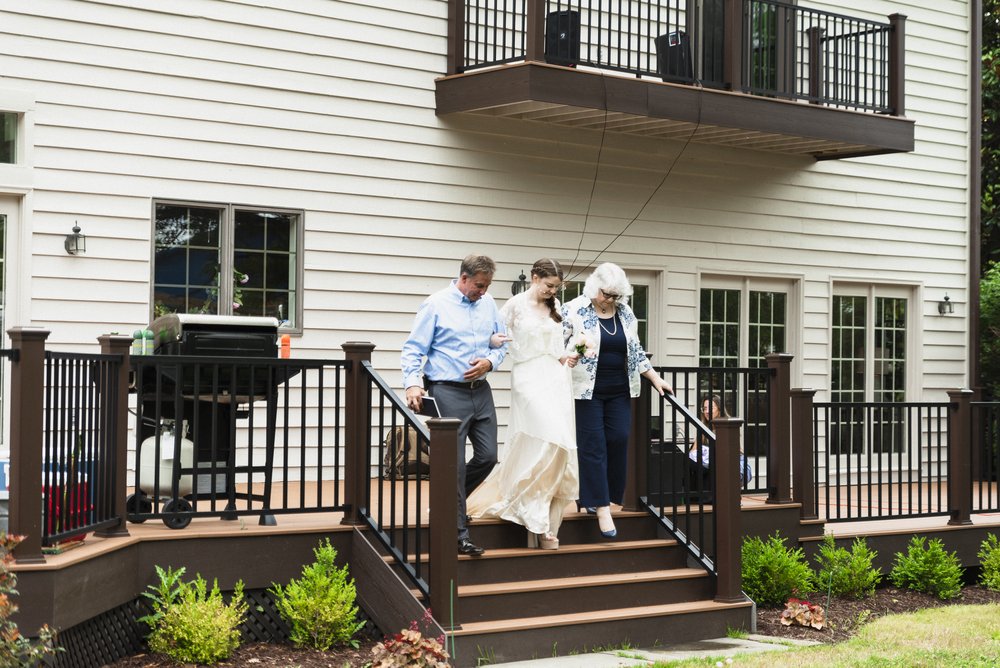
x: 584, y: 347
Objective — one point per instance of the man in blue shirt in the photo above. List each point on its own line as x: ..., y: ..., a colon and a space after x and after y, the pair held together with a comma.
x: 448, y: 353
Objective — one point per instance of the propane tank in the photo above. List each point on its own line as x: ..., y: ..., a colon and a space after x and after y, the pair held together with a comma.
x: 170, y: 447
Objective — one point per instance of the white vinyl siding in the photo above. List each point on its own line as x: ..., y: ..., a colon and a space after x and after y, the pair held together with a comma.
x: 327, y: 107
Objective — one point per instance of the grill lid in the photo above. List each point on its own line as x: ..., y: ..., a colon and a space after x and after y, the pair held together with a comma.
x: 175, y: 326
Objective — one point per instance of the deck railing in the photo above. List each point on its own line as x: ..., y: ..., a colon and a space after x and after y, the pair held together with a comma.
x: 744, y: 393
x: 395, y: 502
x: 762, y: 47
x: 880, y: 460
x: 236, y: 436
x: 79, y: 444
x: 984, y: 456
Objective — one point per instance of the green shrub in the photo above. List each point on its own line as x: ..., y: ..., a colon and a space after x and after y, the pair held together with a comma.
x: 930, y: 570
x: 16, y: 651
x: 989, y: 559
x: 190, y: 623
x: 773, y: 573
x: 319, y: 607
x: 844, y: 573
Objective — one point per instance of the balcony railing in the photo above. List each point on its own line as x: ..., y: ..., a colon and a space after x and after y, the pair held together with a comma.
x: 760, y: 47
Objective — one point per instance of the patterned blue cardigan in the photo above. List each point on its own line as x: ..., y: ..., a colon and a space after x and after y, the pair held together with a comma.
x: 580, y: 320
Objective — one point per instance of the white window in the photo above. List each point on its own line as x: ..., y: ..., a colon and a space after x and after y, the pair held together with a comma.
x: 868, y: 364
x: 740, y: 322
x: 8, y: 137
x: 227, y: 260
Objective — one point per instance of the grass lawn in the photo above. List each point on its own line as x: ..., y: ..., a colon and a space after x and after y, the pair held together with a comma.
x: 963, y: 635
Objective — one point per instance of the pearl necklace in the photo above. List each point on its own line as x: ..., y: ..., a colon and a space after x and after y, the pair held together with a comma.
x: 614, y: 320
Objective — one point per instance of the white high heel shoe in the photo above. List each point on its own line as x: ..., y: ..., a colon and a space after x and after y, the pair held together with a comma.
x: 548, y: 542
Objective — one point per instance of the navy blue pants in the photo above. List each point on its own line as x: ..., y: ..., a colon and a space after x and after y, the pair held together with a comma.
x: 602, y: 428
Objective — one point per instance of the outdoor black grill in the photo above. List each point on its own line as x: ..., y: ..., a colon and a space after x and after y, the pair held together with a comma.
x: 205, y: 372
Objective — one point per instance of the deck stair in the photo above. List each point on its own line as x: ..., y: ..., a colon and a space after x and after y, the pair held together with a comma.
x: 638, y: 589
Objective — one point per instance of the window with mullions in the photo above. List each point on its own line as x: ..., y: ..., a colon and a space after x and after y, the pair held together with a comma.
x: 639, y: 303
x: 198, y: 247
x: 868, y: 364
x: 8, y: 137
x: 738, y: 328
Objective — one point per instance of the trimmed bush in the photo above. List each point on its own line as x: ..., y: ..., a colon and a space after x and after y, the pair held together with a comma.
x: 773, y: 573
x: 844, y: 573
x: 989, y: 559
x: 190, y: 623
x: 930, y: 569
x: 319, y: 607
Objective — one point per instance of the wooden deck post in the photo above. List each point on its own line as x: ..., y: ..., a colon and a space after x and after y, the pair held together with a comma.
x: 733, y: 47
x: 444, y: 521
x: 456, y: 36
x: 959, y: 455
x: 638, y: 448
x: 357, y: 431
x: 814, y: 37
x: 534, y: 48
x: 779, y: 450
x: 897, y: 64
x: 114, y: 425
x: 803, y: 474
x: 728, y: 529
x: 27, y: 384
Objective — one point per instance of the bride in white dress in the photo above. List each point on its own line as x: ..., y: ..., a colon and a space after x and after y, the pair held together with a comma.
x: 538, y: 473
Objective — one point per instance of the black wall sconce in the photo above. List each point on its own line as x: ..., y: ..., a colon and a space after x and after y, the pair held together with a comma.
x: 945, y: 306
x: 520, y: 285
x: 76, y: 243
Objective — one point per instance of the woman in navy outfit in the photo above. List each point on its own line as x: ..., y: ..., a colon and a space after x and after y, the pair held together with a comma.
x: 603, y: 330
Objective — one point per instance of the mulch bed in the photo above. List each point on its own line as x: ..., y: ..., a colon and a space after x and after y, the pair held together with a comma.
x: 844, y: 617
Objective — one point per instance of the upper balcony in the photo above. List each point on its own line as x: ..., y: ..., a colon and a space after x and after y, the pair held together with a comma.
x: 757, y: 74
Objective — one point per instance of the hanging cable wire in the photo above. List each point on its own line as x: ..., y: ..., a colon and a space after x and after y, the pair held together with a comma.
x: 653, y: 194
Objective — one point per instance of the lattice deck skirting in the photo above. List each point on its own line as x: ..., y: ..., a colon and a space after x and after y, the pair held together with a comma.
x: 117, y: 633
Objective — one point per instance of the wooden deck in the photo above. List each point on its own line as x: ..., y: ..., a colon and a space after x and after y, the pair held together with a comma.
x: 392, y: 508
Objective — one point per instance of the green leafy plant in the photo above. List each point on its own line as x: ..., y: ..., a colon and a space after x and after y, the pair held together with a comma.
x: 411, y: 647
x: 930, y: 569
x: 773, y: 573
x: 319, y: 607
x: 847, y: 573
x: 192, y: 623
x: 15, y: 649
x: 989, y: 559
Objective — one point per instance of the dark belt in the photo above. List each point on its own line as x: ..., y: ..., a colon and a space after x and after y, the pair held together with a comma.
x: 470, y: 385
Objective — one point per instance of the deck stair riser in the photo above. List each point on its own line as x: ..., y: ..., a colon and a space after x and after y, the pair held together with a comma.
x: 638, y: 589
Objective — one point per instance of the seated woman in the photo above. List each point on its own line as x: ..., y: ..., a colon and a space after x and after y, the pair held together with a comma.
x: 698, y: 453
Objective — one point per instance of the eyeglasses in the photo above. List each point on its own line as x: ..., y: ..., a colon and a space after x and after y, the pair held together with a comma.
x: 610, y: 295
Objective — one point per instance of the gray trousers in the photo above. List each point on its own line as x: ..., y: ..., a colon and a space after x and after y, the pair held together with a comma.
x: 474, y: 407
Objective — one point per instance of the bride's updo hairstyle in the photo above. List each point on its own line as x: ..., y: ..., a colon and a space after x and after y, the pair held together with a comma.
x: 546, y: 268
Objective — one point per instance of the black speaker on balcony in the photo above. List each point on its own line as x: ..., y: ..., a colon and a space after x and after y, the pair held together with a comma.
x: 562, y: 37
x: 673, y: 56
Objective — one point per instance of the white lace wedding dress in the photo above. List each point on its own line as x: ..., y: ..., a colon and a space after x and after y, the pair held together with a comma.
x: 538, y: 473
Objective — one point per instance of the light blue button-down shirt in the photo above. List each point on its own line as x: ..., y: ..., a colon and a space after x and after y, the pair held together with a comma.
x: 450, y: 331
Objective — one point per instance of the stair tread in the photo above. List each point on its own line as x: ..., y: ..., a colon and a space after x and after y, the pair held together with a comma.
x: 549, y: 584
x: 576, y: 548
x: 597, y: 616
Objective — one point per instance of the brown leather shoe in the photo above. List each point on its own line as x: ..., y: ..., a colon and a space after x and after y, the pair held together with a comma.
x: 468, y: 548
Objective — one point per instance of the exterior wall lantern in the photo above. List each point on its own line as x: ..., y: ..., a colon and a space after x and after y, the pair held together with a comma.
x: 76, y: 243
x: 520, y: 285
x: 945, y: 306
